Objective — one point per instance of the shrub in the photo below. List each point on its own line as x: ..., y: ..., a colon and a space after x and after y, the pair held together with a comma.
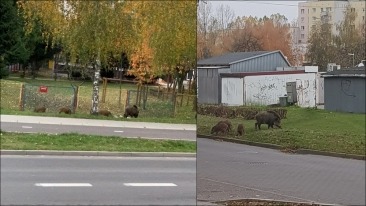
x: 4, y: 72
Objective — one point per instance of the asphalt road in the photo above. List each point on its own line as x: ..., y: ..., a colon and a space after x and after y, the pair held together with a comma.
x: 234, y: 171
x: 56, y: 180
x: 100, y: 130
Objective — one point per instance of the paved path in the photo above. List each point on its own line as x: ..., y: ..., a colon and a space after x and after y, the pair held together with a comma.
x: 95, y: 122
x: 189, y: 135
x: 54, y: 180
x: 233, y: 171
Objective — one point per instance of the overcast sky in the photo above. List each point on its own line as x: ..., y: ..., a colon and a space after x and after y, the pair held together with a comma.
x: 261, y: 8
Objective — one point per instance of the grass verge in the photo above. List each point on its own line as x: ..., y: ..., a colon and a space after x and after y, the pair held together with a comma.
x: 303, y: 129
x: 80, y: 142
x: 182, y: 117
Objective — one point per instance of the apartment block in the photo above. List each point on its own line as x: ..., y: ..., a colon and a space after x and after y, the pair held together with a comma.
x: 325, y: 11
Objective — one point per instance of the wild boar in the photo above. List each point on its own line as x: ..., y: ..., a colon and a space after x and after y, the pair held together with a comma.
x: 64, y: 110
x: 131, y: 111
x: 267, y: 117
x: 220, y: 128
x: 105, y: 112
x: 40, y: 109
x: 228, y: 124
x: 240, y: 130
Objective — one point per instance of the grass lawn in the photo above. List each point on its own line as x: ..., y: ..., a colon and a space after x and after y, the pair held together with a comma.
x: 305, y: 129
x: 80, y: 142
x: 59, y: 95
x: 184, y: 117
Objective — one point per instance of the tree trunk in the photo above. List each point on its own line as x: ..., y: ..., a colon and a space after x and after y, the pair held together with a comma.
x: 95, y: 97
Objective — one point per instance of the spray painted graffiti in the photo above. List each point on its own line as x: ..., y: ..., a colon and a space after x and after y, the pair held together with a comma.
x: 346, y: 88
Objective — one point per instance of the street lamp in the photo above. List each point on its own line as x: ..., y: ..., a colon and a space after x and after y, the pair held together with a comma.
x: 353, y: 59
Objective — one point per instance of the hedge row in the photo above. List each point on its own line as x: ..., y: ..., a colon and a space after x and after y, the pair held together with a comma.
x: 247, y: 113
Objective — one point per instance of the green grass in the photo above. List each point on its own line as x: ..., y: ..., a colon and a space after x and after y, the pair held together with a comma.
x: 180, y: 119
x: 304, y: 128
x: 80, y: 142
x: 10, y: 90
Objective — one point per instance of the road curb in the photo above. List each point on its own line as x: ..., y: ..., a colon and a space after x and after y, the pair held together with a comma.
x: 97, y: 153
x: 277, y: 201
x: 278, y: 147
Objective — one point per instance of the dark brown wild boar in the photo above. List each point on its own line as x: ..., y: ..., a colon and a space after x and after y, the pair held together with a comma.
x: 64, y: 110
x: 267, y: 117
x: 105, y: 112
x: 226, y: 122
x: 220, y: 128
x: 40, y: 109
x: 131, y: 111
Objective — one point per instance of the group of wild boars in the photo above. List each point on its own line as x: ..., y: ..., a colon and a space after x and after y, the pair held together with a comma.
x: 40, y: 109
x: 267, y: 117
x: 64, y: 110
x: 131, y: 112
x: 224, y: 127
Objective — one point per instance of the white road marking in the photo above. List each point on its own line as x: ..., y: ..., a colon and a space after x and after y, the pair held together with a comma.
x: 150, y: 184
x: 63, y: 185
x: 253, y: 152
x: 118, y: 131
x: 27, y: 127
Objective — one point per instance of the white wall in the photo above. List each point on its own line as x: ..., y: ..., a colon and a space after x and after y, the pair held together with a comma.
x: 319, y: 89
x: 232, y: 91
x: 266, y: 89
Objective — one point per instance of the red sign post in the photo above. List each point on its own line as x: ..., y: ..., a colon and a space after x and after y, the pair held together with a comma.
x: 43, y: 89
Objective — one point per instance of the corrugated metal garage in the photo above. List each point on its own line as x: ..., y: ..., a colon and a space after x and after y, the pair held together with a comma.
x: 209, y: 83
x: 344, y: 90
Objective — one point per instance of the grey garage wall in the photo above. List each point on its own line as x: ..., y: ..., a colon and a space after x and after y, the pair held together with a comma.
x: 345, y: 94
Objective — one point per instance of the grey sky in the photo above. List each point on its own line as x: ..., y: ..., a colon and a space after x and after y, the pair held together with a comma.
x: 261, y: 8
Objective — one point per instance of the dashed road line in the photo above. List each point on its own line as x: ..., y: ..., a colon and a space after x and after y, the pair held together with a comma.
x: 150, y: 184
x: 63, y: 184
x: 27, y: 127
x: 118, y: 131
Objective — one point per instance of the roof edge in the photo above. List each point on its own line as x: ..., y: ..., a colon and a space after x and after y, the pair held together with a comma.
x: 244, y: 74
x: 256, y: 56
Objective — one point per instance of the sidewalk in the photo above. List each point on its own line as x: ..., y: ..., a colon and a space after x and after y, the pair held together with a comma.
x: 95, y: 122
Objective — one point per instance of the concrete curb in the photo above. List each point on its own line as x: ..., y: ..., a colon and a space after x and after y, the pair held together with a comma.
x: 277, y: 201
x: 278, y: 147
x: 97, y: 153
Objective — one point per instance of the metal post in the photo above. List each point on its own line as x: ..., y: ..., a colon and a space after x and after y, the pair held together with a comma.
x: 353, y: 59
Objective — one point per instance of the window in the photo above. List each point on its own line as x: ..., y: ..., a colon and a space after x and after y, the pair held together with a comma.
x: 302, y: 27
x: 302, y: 19
x: 299, y: 41
x: 302, y: 11
x: 329, y: 9
x: 363, y: 17
x: 353, y: 9
x: 314, y: 18
x: 302, y: 36
x: 322, y: 9
x: 314, y: 9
